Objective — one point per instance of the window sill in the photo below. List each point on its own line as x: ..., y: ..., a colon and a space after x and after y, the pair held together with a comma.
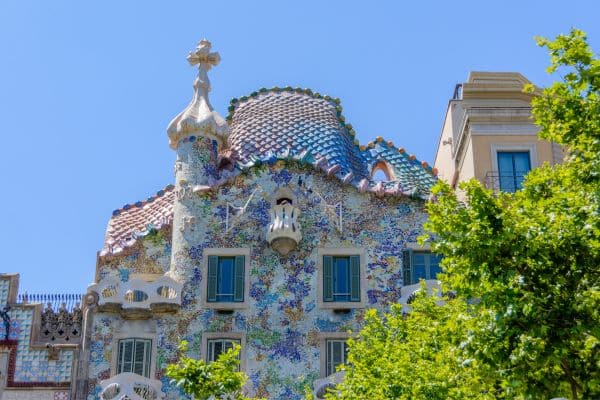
x: 225, y: 305
x: 341, y: 305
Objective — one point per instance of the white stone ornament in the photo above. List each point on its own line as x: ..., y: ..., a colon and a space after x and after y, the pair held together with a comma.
x: 187, y: 223
x: 130, y: 386
x: 199, y: 117
x: 283, y: 233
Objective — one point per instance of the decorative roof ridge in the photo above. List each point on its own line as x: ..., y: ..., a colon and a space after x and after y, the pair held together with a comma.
x: 142, y: 203
x: 342, y: 120
x: 390, y: 144
x: 319, y: 163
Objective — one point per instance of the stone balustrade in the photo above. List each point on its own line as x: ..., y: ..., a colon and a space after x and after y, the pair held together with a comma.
x: 408, y: 293
x: 162, y: 294
x: 131, y: 386
x: 284, y: 231
x: 322, y: 386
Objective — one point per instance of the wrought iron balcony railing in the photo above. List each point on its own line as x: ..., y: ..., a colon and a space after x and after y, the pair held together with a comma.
x: 504, y: 182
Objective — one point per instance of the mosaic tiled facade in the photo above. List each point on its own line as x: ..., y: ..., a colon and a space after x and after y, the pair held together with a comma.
x: 32, y: 366
x: 229, y: 178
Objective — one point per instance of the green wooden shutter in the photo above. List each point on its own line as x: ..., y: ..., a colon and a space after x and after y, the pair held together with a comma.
x: 406, y: 254
x: 354, y: 278
x: 238, y: 281
x: 213, y: 265
x: 327, y: 278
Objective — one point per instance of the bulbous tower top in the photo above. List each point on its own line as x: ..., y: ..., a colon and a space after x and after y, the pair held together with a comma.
x: 199, y: 117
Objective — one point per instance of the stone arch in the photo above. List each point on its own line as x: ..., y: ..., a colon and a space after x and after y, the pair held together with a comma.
x: 385, y: 168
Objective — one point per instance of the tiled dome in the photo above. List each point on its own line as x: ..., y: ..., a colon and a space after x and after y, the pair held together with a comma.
x: 277, y: 121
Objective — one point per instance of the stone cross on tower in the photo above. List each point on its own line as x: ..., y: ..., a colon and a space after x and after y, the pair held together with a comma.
x: 205, y: 61
x: 203, y: 56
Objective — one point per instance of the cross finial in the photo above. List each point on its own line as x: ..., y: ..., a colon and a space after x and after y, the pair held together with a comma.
x: 202, y: 56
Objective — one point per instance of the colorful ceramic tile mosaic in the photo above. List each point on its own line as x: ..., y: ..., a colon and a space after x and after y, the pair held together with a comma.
x: 4, y: 288
x: 33, y: 365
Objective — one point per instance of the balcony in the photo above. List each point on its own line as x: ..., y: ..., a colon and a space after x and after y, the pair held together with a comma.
x: 284, y: 231
x: 130, y: 386
x: 138, y: 298
x: 504, y: 182
x: 408, y: 293
x: 322, y: 386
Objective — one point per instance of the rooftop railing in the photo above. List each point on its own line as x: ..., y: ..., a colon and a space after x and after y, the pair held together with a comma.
x: 55, y: 300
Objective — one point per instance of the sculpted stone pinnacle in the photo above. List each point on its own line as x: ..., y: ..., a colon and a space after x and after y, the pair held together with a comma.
x: 199, y: 117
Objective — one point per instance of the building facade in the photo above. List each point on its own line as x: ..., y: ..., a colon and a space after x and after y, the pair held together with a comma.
x: 278, y: 232
x: 488, y: 133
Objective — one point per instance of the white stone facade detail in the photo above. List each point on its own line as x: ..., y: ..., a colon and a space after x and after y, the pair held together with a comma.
x: 284, y: 231
x: 137, y: 293
x: 132, y: 387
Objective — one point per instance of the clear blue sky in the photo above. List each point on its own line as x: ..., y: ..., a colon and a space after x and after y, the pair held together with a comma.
x: 87, y: 89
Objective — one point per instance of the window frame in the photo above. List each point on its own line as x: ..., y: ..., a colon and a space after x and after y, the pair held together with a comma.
x: 496, y: 148
x: 204, y: 289
x: 147, y: 355
x: 324, y: 339
x: 410, y: 251
x: 210, y: 342
x: 341, y: 252
x: 240, y: 337
x: 134, y: 329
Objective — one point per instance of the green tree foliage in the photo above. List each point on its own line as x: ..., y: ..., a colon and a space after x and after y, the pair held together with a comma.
x: 533, y: 258
x: 221, y: 378
x: 531, y: 261
x: 413, y: 356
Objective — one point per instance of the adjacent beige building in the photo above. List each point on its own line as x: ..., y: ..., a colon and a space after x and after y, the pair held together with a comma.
x: 488, y: 133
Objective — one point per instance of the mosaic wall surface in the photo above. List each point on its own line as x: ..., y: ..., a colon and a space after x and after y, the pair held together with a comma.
x: 4, y: 288
x: 33, y: 365
x: 35, y: 395
x: 283, y: 321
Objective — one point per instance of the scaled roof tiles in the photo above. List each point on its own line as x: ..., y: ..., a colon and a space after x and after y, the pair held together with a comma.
x: 278, y: 121
x: 281, y: 124
x: 133, y: 221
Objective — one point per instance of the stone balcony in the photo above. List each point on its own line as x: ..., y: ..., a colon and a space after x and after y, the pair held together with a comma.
x: 324, y: 385
x: 408, y: 293
x: 138, y: 298
x: 284, y: 231
x: 130, y: 386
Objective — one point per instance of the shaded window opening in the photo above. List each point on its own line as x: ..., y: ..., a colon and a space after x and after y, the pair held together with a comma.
x: 382, y: 172
x: 134, y: 356
x: 284, y: 201
x: 512, y: 168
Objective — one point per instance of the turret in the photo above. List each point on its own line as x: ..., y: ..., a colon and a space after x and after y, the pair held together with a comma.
x: 197, y: 134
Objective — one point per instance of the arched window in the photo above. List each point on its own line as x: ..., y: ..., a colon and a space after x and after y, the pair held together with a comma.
x: 382, y: 171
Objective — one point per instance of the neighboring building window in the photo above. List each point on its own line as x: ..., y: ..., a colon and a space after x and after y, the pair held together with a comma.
x: 512, y: 168
x: 226, y: 278
x: 341, y: 278
x: 134, y: 356
x: 217, y: 346
x: 420, y: 265
x: 337, y: 352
